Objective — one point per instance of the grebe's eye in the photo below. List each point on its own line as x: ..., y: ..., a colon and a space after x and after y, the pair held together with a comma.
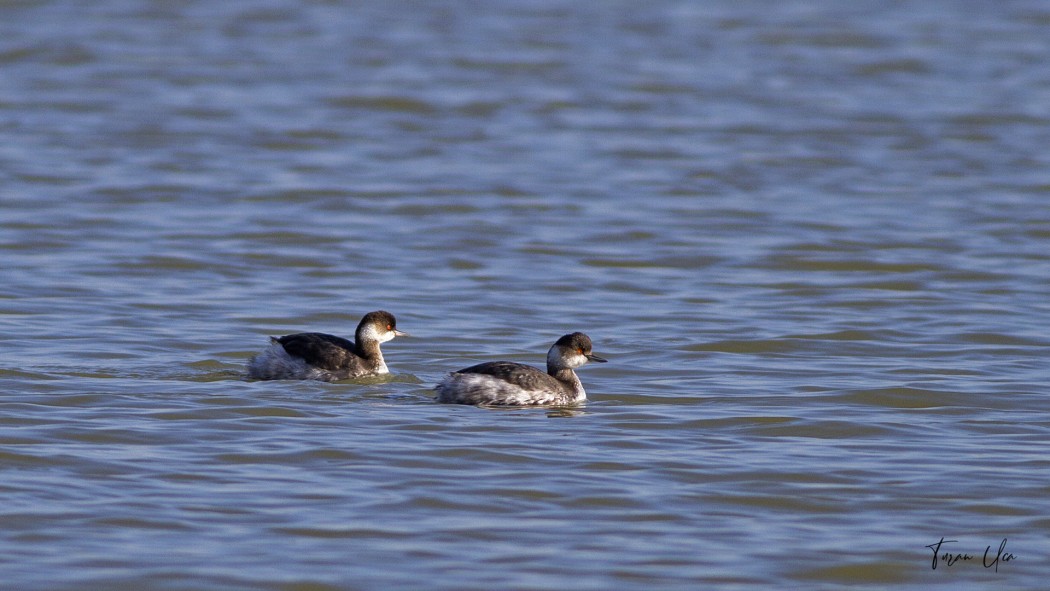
x: 390, y: 327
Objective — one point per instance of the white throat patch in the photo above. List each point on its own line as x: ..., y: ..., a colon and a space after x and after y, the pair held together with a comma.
x: 372, y: 334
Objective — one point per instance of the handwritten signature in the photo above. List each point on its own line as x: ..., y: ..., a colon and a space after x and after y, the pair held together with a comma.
x: 949, y: 558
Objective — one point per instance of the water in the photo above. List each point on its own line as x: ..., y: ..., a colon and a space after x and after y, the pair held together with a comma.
x: 812, y: 239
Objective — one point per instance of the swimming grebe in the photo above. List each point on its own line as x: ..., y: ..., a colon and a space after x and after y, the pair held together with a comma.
x: 319, y: 356
x: 503, y: 383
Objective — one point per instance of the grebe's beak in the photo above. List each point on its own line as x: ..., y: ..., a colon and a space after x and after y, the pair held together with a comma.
x: 593, y: 357
x: 398, y: 333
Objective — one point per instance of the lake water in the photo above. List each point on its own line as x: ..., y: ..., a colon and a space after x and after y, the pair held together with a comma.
x: 812, y: 238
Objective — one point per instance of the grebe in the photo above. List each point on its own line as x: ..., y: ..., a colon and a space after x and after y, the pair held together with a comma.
x: 319, y: 356
x: 504, y: 383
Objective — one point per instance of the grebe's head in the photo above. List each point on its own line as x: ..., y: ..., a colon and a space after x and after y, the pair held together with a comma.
x: 380, y: 326
x: 572, y: 351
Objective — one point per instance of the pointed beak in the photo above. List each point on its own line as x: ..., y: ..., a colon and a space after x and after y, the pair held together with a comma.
x: 398, y: 333
x: 593, y: 357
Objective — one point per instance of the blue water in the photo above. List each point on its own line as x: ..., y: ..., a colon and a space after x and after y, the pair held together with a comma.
x: 811, y: 238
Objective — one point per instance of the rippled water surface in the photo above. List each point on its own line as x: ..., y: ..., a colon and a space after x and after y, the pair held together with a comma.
x: 812, y: 238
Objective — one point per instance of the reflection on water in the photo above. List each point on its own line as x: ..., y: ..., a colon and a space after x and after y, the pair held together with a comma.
x: 811, y: 239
